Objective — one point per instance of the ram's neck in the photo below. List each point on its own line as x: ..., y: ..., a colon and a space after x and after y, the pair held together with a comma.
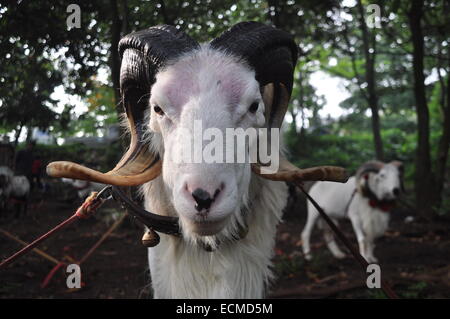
x: 237, y: 269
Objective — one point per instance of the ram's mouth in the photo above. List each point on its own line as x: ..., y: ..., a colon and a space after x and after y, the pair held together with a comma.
x: 207, y: 227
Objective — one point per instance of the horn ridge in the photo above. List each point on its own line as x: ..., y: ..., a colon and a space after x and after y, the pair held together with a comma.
x: 369, y: 166
x: 261, y: 45
x: 158, y: 44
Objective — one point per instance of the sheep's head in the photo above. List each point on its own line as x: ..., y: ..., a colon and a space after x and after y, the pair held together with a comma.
x: 215, y: 87
x: 206, y: 90
x: 382, y: 180
x: 242, y: 79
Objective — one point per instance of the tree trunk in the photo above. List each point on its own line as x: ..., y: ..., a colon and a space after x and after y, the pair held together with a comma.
x: 444, y: 144
x: 424, y: 186
x: 273, y: 12
x: 29, y: 137
x: 17, y: 135
x: 167, y: 19
x: 125, y: 17
x: 116, y: 26
x: 372, y: 97
x: 294, y: 119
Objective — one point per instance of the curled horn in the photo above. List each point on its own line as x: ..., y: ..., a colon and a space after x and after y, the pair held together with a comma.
x: 369, y: 167
x: 272, y: 53
x: 143, y: 54
x: 362, y: 174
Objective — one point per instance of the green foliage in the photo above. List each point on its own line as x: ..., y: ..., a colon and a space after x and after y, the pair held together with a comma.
x: 376, y: 294
x: 38, y: 54
x: 312, y: 149
x: 288, y: 265
x: 337, y: 144
x: 101, y: 113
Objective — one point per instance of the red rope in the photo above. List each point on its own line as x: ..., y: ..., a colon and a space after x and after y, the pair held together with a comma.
x: 51, y: 274
x: 27, y: 248
x: 84, y: 211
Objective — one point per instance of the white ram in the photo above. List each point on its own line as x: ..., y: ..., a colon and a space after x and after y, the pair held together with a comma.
x: 224, y: 213
x: 366, y: 199
x: 14, y: 188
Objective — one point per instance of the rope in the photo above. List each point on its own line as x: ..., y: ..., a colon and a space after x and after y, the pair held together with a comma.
x: 384, y: 285
x: 36, y: 250
x: 87, y: 255
x: 39, y: 240
x: 50, y: 275
x: 94, y: 201
x: 84, y: 211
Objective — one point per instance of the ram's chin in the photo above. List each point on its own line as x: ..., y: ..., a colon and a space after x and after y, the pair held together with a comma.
x: 195, y: 228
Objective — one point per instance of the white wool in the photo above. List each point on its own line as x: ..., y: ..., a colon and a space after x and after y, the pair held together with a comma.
x: 344, y: 201
x: 237, y: 269
x: 217, y: 88
x: 14, y: 186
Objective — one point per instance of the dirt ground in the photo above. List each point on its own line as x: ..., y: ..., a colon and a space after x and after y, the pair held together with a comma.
x: 414, y: 258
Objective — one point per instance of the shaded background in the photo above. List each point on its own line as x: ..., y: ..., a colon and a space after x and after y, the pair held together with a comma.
x: 360, y: 92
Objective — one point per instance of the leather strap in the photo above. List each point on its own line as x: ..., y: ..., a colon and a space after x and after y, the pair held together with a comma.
x: 163, y: 224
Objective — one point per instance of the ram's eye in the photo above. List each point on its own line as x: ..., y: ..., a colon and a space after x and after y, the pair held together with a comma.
x: 253, y: 107
x: 158, y: 110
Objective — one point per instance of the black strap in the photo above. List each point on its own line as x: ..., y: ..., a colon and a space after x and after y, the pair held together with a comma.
x: 163, y: 224
x: 349, y: 202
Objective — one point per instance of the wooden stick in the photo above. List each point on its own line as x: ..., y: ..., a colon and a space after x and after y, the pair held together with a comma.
x: 102, y: 239
x: 36, y: 250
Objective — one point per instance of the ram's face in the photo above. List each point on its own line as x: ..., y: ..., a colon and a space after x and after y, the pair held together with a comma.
x: 386, y: 184
x: 193, y: 102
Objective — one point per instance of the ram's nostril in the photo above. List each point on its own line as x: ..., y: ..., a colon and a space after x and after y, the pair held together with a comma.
x: 396, y: 191
x: 202, y: 198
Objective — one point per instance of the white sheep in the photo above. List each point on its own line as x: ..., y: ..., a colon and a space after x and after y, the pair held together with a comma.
x: 84, y: 188
x: 217, y: 219
x: 366, y: 199
x: 14, y: 187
